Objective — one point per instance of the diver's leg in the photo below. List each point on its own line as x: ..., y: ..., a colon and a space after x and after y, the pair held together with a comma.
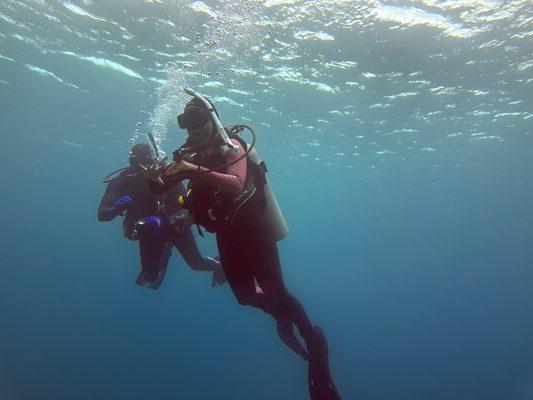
x: 251, y: 255
x: 268, y: 275
x: 188, y: 249
x: 155, y: 254
x: 240, y: 254
x: 239, y: 275
x: 289, y: 310
x: 151, y: 251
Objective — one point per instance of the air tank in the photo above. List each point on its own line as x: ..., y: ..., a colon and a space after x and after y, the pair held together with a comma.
x: 272, y: 210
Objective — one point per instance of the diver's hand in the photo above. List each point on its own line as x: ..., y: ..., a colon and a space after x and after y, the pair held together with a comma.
x: 153, y: 172
x: 149, y: 225
x: 122, y: 204
x: 183, y: 168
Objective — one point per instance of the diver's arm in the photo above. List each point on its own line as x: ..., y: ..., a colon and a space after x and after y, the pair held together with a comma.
x: 158, y: 180
x: 169, y: 182
x: 106, y: 209
x: 233, y: 180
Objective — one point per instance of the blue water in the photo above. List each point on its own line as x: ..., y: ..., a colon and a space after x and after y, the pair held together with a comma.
x: 398, y: 137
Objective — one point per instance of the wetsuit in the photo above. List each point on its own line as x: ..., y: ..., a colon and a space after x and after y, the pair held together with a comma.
x: 155, y: 248
x: 249, y: 253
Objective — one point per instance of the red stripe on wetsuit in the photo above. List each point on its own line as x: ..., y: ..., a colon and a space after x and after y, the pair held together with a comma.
x: 233, y: 180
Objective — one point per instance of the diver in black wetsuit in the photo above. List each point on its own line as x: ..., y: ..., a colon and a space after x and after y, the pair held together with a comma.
x: 156, y: 221
x: 229, y: 195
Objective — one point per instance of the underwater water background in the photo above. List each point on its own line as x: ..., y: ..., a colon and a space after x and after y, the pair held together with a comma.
x: 398, y: 136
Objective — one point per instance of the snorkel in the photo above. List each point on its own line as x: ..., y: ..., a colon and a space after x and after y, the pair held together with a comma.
x: 154, y: 145
x: 190, y: 148
x: 218, y: 125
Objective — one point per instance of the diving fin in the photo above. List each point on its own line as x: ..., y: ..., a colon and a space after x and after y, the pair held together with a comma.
x: 321, y: 385
x: 218, y: 278
x: 156, y: 282
x: 141, y: 281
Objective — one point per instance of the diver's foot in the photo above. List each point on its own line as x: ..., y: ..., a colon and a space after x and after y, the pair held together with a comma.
x: 321, y: 385
x: 258, y: 289
x: 218, y: 278
x: 287, y: 336
x: 152, y: 282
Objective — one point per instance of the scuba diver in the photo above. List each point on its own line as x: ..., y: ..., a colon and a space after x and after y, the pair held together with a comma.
x: 228, y: 194
x: 156, y: 221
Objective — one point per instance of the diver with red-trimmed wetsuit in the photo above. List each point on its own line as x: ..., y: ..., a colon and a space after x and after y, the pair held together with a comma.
x: 228, y: 194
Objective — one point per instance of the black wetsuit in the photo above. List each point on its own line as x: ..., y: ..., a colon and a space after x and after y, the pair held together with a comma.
x: 155, y: 248
x: 249, y: 253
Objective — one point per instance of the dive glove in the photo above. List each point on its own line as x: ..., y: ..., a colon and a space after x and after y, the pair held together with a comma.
x: 149, y: 225
x: 122, y: 204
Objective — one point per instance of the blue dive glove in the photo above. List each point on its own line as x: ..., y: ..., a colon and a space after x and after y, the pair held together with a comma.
x: 122, y: 204
x: 149, y: 225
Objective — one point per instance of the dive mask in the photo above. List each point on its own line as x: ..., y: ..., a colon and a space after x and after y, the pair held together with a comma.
x: 137, y: 160
x: 193, y: 117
